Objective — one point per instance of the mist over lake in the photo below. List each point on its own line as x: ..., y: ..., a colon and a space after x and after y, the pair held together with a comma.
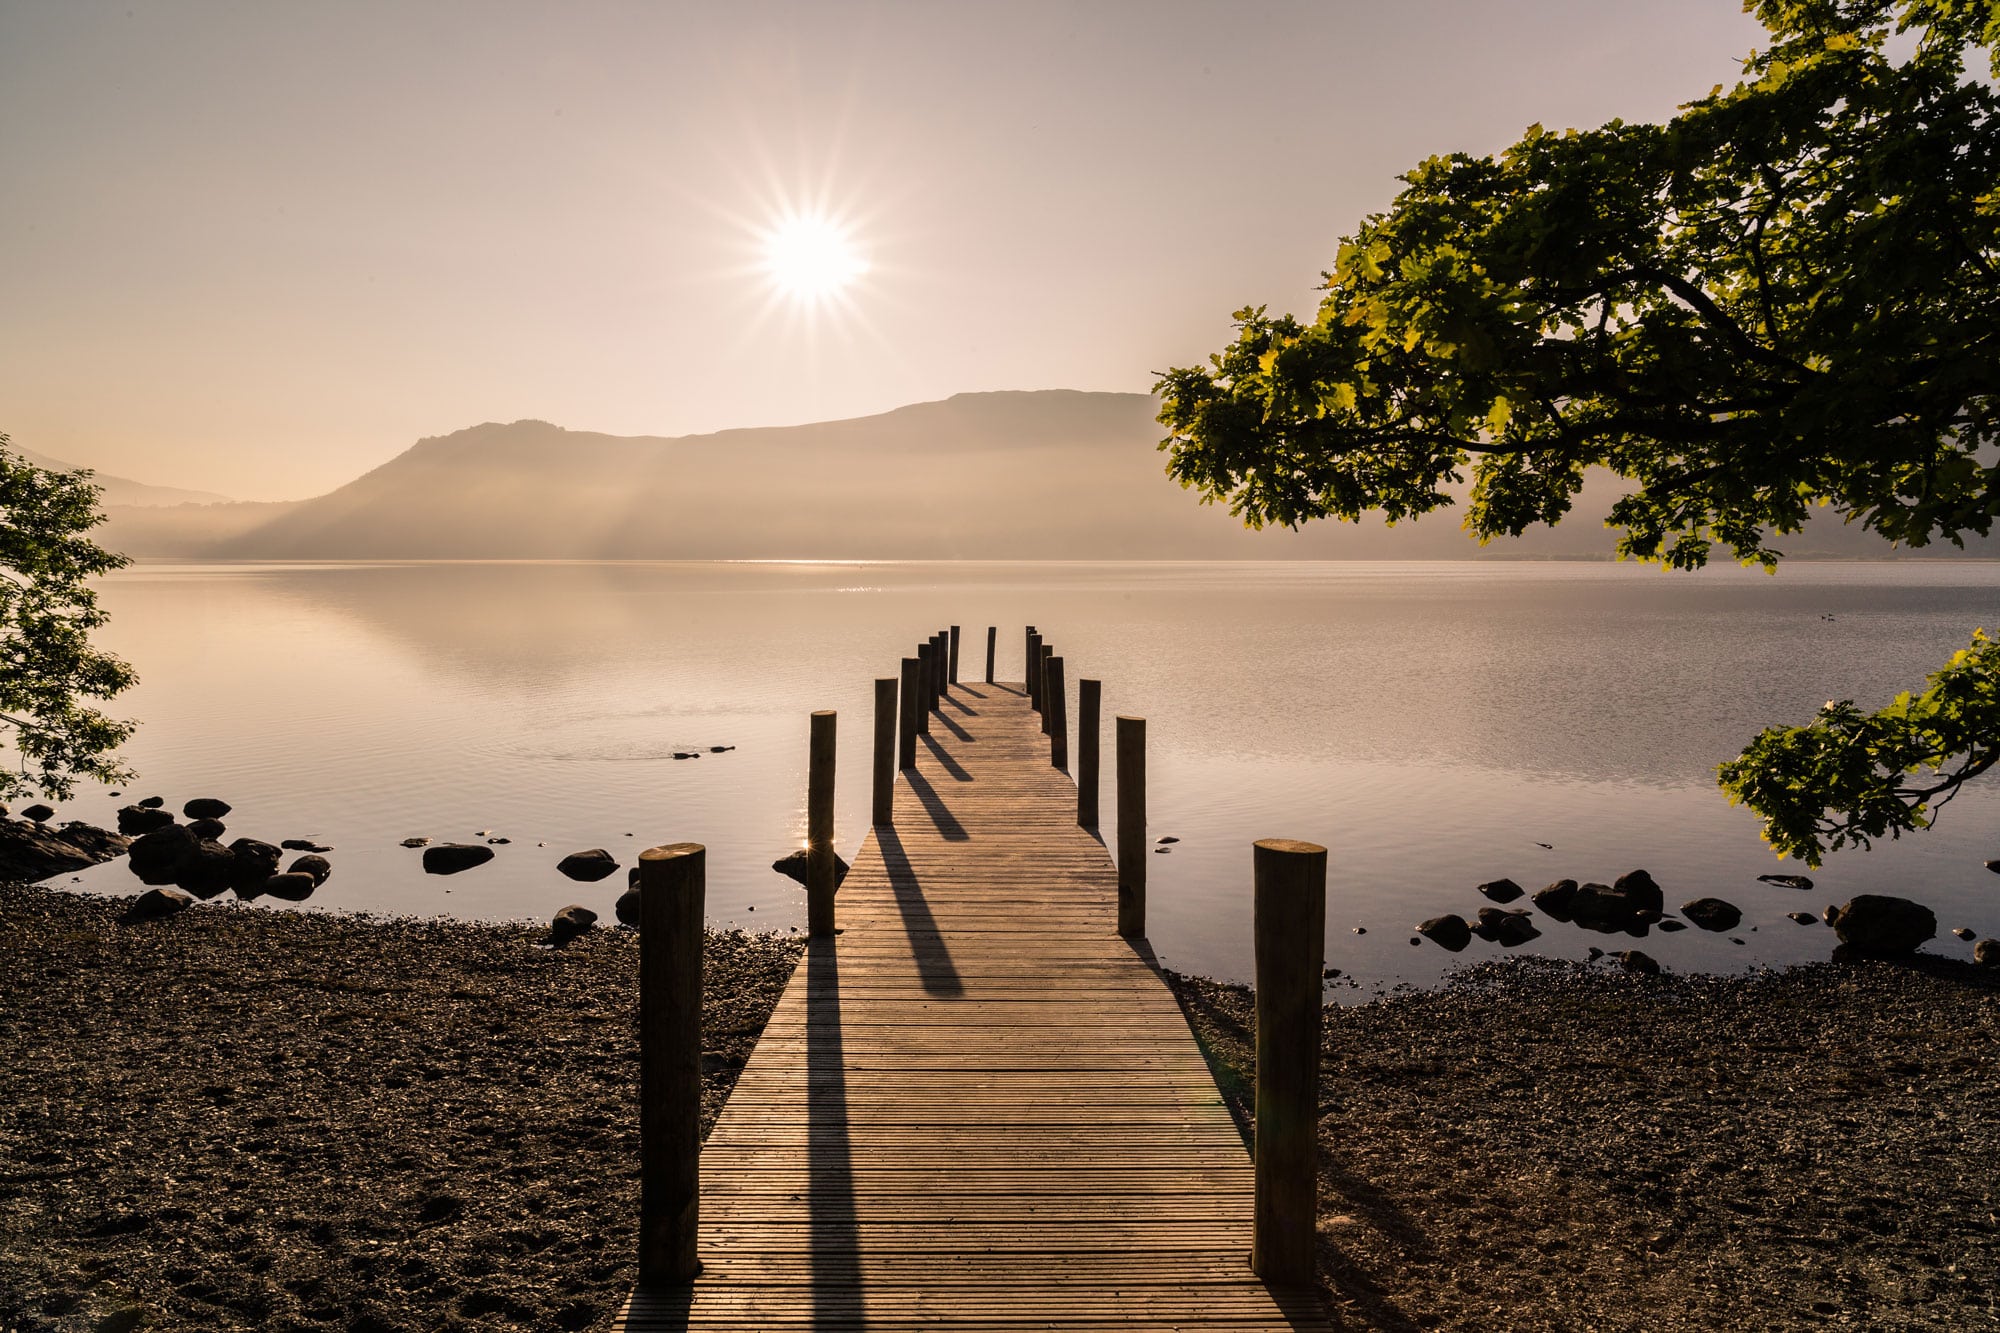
x: 1430, y: 723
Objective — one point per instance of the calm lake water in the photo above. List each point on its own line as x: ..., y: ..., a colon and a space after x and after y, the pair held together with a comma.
x: 1431, y: 724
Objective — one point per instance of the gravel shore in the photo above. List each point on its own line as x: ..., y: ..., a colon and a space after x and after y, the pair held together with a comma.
x: 1546, y: 1145
x: 248, y: 1119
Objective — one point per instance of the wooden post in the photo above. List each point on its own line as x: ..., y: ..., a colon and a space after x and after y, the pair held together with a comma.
x: 671, y: 885
x: 820, y: 869
x: 1089, y: 697
x: 885, y: 750
x: 992, y: 639
x: 937, y: 671
x: 1291, y: 948
x: 1132, y: 827
x: 1031, y: 671
x: 925, y: 652
x: 1042, y: 675
x: 1058, y: 717
x: 954, y: 654
x: 906, y: 747
x: 1027, y: 655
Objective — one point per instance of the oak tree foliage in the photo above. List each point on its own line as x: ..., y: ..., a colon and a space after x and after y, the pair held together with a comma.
x: 1786, y: 297
x: 49, y: 670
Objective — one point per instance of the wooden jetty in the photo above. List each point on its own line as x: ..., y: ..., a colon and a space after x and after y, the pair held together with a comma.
x: 976, y: 1106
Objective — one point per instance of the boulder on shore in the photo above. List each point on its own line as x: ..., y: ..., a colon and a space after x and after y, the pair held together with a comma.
x: 292, y: 887
x: 156, y: 857
x: 206, y: 869
x: 794, y: 867
x: 1448, y: 931
x: 589, y: 866
x: 571, y: 922
x: 30, y: 851
x: 1884, y: 926
x: 1987, y: 953
x: 448, y: 858
x: 256, y: 862
x: 1712, y: 914
x: 154, y: 904
x: 1634, y: 960
x: 627, y: 909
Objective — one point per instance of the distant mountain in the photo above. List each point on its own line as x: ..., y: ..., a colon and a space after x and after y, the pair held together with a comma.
x: 1053, y: 474
x: 123, y: 491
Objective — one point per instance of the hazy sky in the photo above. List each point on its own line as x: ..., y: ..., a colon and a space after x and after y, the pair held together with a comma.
x: 259, y: 247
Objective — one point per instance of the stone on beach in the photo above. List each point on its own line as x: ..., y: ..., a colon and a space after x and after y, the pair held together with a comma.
x: 571, y: 922
x: 30, y: 852
x: 627, y: 909
x: 589, y: 866
x: 1633, y: 960
x: 448, y: 858
x: 1987, y: 953
x: 154, y: 904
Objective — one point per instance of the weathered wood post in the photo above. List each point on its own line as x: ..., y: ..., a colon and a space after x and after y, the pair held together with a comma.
x: 1291, y: 948
x: 1031, y: 671
x: 885, y: 750
x: 925, y: 652
x: 1058, y: 716
x: 954, y: 655
x: 820, y: 868
x: 1132, y: 827
x: 937, y: 671
x: 1089, y: 697
x: 992, y: 639
x: 906, y: 747
x: 1042, y: 676
x: 671, y: 889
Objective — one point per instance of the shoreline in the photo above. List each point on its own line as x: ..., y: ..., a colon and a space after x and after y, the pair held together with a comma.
x: 309, y: 1121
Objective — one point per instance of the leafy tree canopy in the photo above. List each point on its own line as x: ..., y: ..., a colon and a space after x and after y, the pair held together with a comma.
x: 1787, y: 296
x: 48, y: 668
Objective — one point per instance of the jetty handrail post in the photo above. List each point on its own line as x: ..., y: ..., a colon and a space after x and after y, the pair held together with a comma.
x: 672, y: 884
x: 992, y: 639
x: 1291, y: 949
x: 1132, y: 827
x: 1058, y: 717
x: 954, y: 655
x: 1031, y: 671
x: 820, y: 869
x: 906, y: 744
x: 926, y: 653
x: 885, y: 750
x: 937, y: 672
x: 1042, y: 676
x: 1089, y: 700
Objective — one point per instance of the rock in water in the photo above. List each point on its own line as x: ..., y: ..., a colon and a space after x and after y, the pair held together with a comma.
x: 571, y: 922
x: 205, y: 807
x: 1669, y: 925
x: 1502, y: 890
x: 136, y: 819
x: 1712, y: 914
x: 1804, y: 918
x: 156, y: 857
x: 207, y: 869
x: 156, y: 903
x: 153, y: 802
x: 39, y: 814
x: 30, y: 852
x: 1632, y: 960
x: 416, y: 842
x: 304, y: 845
x: 589, y: 866
x: 1640, y: 890
x: 1556, y: 898
x: 1603, y: 907
x: 1789, y: 881
x: 256, y: 862
x: 208, y: 828
x: 1506, y: 929
x: 448, y: 858
x: 293, y: 888
x: 795, y: 867
x: 1993, y: 866
x: 627, y: 909
x: 314, y: 865
x: 1987, y: 953
x: 1964, y: 932
x: 1884, y: 926
x: 1448, y: 931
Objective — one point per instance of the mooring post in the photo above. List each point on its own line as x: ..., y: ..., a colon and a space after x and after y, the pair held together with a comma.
x: 1089, y: 695
x: 1031, y: 671
x: 1291, y: 948
x: 906, y: 744
x: 954, y: 654
x: 820, y: 882
x: 885, y: 750
x: 1042, y: 675
x: 937, y: 672
x: 671, y: 888
x: 1058, y: 716
x: 1132, y: 827
x: 992, y: 638
x: 925, y: 652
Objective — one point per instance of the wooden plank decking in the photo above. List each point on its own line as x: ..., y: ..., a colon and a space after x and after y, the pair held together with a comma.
x: 977, y: 1107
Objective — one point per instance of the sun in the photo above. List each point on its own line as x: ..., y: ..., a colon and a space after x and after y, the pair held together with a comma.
x: 810, y: 258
